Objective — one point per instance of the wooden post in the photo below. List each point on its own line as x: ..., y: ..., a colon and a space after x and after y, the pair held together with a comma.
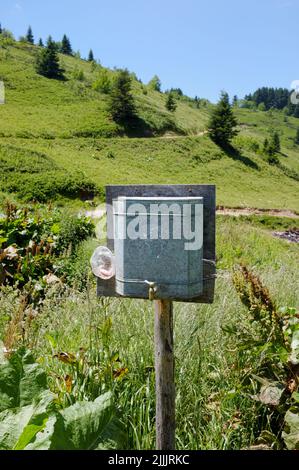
x: 164, y: 367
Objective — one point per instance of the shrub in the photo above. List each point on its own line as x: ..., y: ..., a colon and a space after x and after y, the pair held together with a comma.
x: 35, y: 177
x: 30, y: 242
x: 103, y: 82
x: 78, y: 74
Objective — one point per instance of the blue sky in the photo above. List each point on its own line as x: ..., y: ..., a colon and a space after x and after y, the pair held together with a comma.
x: 201, y: 46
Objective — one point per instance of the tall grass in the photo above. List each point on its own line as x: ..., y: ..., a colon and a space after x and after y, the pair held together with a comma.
x: 213, y: 409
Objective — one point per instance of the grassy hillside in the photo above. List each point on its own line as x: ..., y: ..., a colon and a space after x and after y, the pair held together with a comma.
x: 66, y: 124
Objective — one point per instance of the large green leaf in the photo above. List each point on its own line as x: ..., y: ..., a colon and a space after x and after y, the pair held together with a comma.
x: 291, y: 430
x: 84, y: 425
x: 52, y: 437
x: 86, y: 422
x: 112, y: 437
x: 18, y: 426
x: 30, y: 420
x: 21, y: 380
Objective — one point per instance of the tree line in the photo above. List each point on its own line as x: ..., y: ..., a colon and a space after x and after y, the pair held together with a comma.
x: 64, y: 46
x: 266, y: 98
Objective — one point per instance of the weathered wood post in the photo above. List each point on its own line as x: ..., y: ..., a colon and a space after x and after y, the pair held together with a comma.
x: 164, y: 367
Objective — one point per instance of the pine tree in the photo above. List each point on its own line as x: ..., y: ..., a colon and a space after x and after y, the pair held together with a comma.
x: 266, y: 146
x: 297, y: 137
x: 48, y: 61
x: 121, y: 103
x: 1, y: 29
x: 29, y: 36
x: 235, y: 100
x: 40, y: 42
x: 90, y: 56
x: 222, y: 125
x: 270, y: 149
x: 66, y: 47
x: 170, y: 103
x: 275, y: 142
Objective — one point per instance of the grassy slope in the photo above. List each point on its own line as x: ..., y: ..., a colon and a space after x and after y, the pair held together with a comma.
x: 51, y: 117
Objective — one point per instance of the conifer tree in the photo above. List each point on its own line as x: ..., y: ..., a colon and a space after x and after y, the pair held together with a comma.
x: 66, y: 47
x: 121, y: 103
x: 48, y: 61
x: 235, y: 100
x: 266, y: 146
x: 90, y: 56
x: 1, y: 29
x: 275, y: 142
x: 170, y: 103
x: 40, y: 42
x: 29, y: 36
x: 222, y: 125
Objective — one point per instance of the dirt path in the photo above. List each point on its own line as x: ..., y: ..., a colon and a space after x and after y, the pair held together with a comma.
x: 250, y: 211
x: 100, y: 211
x: 170, y: 135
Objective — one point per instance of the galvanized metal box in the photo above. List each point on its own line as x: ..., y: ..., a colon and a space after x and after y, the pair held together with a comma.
x: 158, y: 243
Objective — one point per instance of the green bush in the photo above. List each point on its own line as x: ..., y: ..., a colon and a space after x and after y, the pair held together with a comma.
x: 78, y: 74
x: 35, y: 177
x: 33, y: 245
x: 102, y: 82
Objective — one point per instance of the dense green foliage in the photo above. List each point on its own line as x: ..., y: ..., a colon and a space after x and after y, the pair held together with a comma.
x: 35, y: 177
x: 273, y: 98
x: 223, y: 123
x: 277, y: 98
x: 31, y: 243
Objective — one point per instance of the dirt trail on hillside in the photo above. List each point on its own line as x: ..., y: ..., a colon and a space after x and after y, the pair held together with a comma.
x: 251, y: 211
x: 101, y: 211
x: 170, y: 135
